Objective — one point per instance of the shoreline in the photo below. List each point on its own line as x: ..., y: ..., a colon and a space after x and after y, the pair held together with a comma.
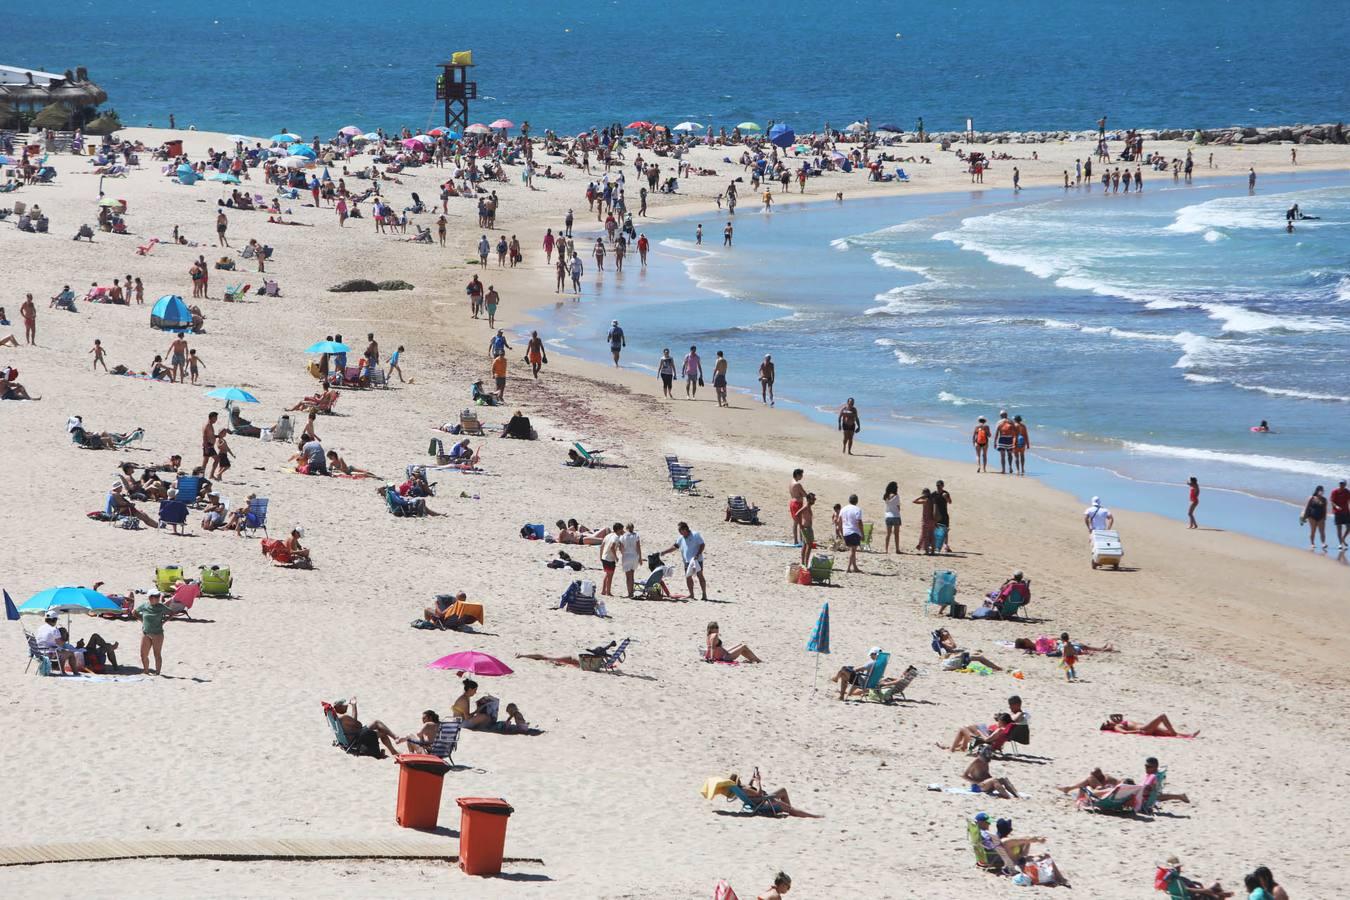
x: 939, y: 439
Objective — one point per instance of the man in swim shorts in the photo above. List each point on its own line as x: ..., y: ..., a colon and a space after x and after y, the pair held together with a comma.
x: 1340, y: 510
x: 1005, y: 437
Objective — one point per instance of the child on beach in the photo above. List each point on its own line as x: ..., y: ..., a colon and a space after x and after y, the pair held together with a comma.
x: 698, y: 235
x: 1069, y: 658
x: 194, y: 361
x: 98, y: 355
x: 393, y: 364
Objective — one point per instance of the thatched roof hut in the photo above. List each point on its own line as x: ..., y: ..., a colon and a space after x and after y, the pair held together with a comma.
x: 23, y: 94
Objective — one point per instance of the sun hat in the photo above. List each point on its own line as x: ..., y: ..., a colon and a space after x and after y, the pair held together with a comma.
x: 874, y: 651
x: 52, y: 614
x: 982, y: 817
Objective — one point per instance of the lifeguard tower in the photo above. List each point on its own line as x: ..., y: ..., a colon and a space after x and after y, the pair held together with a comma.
x: 454, y: 87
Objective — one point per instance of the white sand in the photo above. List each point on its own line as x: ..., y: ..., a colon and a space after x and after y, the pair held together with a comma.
x: 1242, y: 639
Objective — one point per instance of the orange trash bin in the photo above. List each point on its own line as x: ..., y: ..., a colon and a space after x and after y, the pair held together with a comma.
x: 173, y: 148
x: 482, y: 834
x: 419, y: 789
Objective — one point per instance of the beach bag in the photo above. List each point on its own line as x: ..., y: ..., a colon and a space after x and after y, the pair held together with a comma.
x: 958, y: 610
x: 130, y: 523
x: 804, y: 577
x: 165, y: 576
x: 589, y: 662
x: 533, y: 532
x: 939, y: 537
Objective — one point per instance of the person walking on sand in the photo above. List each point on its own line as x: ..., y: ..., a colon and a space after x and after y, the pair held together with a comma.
x: 28, y: 310
x: 851, y: 523
x: 1340, y: 512
x: 178, y: 350
x: 490, y: 301
x: 980, y: 438
x: 693, y: 373
x: 152, y: 615
x: 942, y: 516
x: 665, y: 370
x: 850, y: 423
x: 576, y: 269
x: 548, y: 246
x: 616, y: 341
x: 1098, y: 517
x: 1021, y: 444
x: 720, y: 379
x: 1005, y: 439
x: 222, y: 224
x: 499, y: 377
x: 534, y: 352
x: 1315, y: 515
x: 691, y: 546
x: 803, y: 525
x: 610, y: 551
x: 1195, y: 501
x: 766, y: 376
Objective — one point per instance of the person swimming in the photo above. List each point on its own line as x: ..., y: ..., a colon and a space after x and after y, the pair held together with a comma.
x: 1263, y: 428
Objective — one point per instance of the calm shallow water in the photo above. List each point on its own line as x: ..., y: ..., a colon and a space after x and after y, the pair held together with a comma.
x: 258, y: 66
x: 1141, y: 335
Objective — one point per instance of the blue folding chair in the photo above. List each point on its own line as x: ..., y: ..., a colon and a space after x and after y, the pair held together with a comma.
x: 189, y: 487
x: 256, y: 517
x: 174, y: 513
x: 446, y: 741
x: 942, y: 591
x: 616, y: 657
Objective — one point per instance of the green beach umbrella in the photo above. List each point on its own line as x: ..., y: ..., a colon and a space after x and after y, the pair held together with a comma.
x: 749, y: 126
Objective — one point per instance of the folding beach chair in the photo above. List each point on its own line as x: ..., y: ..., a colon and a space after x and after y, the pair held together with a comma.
x: 821, y: 569
x: 1125, y: 799
x: 469, y: 423
x: 984, y: 857
x: 48, y: 660
x: 592, y: 457
x: 888, y: 694
x: 173, y: 513
x: 867, y: 536
x: 760, y: 806
x: 340, y: 738
x: 1015, y: 596
x: 613, y: 659
x: 874, y: 675
x: 189, y: 486
x: 942, y: 590
x: 237, y: 292
x: 682, y: 479
x: 738, y: 510
x: 445, y: 742
x: 256, y: 517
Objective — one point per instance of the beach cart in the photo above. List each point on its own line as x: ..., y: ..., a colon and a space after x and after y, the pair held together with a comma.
x: 1106, y: 549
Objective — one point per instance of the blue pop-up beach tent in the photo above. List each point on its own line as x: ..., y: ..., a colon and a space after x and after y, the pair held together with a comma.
x: 170, y: 313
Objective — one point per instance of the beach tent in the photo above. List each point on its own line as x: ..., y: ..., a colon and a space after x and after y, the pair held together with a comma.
x: 186, y: 175
x: 782, y: 135
x: 170, y: 313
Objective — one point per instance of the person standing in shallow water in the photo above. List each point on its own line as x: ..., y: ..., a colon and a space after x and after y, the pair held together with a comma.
x: 850, y: 423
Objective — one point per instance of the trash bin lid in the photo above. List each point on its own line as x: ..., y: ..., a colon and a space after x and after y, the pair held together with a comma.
x: 423, y: 762
x: 494, y: 805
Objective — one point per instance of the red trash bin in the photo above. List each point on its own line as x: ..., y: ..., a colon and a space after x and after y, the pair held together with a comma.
x: 419, y: 789
x: 173, y: 148
x: 482, y: 834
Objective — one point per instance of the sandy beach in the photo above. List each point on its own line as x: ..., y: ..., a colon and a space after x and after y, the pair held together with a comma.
x: 1240, y: 639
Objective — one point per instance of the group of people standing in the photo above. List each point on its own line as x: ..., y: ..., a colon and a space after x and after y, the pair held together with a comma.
x: 1009, y: 437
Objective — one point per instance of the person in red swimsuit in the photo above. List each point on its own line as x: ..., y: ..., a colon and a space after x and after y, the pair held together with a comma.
x: 1195, y: 500
x: 796, y: 499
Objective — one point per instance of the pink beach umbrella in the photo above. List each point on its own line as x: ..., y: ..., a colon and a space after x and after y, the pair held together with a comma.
x: 478, y: 128
x: 502, y: 123
x: 473, y: 662
x: 412, y: 143
x: 350, y: 131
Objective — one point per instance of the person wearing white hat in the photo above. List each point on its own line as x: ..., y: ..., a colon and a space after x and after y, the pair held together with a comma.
x: 1098, y: 517
x: 852, y: 677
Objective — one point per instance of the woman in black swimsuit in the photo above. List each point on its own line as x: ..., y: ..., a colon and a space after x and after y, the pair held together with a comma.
x: 1315, y: 514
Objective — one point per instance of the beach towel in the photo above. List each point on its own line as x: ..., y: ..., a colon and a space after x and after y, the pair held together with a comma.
x: 723, y: 891
x: 717, y: 786
x: 1137, y: 734
x: 775, y: 544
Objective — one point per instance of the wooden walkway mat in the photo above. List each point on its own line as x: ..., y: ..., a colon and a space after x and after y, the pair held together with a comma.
x: 238, y: 850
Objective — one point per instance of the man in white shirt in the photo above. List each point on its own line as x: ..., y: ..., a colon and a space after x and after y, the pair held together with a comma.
x: 48, y: 637
x: 851, y: 524
x: 1098, y: 517
x: 691, y: 546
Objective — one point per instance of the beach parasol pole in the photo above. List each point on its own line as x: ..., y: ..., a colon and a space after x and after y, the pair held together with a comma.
x: 819, y: 642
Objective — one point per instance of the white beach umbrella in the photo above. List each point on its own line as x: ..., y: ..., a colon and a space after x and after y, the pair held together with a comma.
x: 856, y: 127
x: 687, y: 126
x: 296, y: 162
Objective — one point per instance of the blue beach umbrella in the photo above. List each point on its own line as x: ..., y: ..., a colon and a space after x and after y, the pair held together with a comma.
x: 820, y: 638
x: 303, y: 150
x: 11, y: 611
x: 238, y: 395
x: 223, y: 176
x: 170, y: 313
x: 782, y: 135
x: 284, y: 138
x: 328, y: 347
x: 67, y: 599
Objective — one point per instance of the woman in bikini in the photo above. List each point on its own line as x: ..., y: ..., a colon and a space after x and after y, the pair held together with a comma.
x: 717, y: 651
x: 1159, y: 726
